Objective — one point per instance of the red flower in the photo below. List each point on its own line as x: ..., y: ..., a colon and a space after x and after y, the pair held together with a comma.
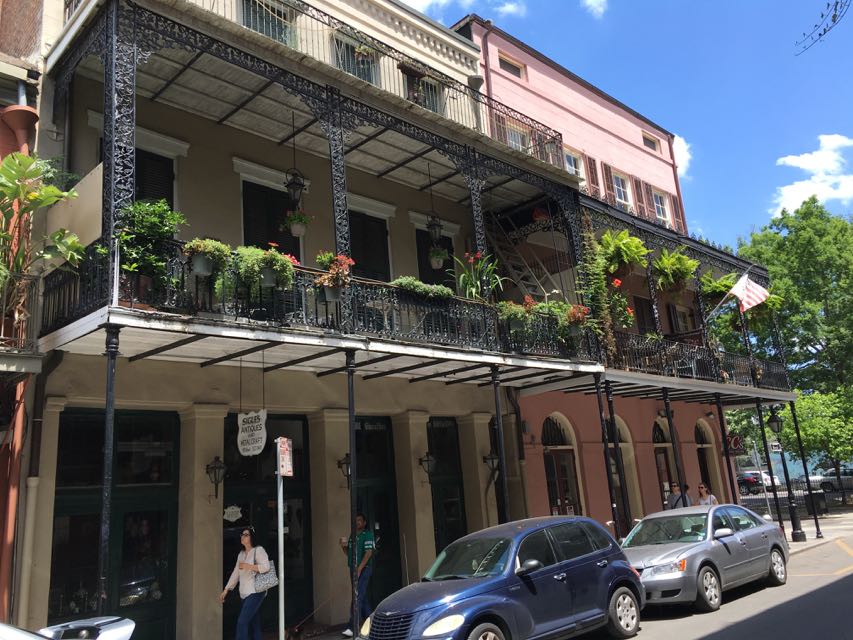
x: 529, y: 302
x: 617, y: 282
x: 630, y: 312
x: 471, y: 260
x: 292, y: 259
x: 274, y: 245
x: 478, y: 255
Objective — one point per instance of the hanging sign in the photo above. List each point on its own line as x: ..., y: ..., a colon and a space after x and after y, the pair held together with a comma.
x: 285, y: 457
x: 232, y: 513
x: 736, y: 445
x: 251, y: 432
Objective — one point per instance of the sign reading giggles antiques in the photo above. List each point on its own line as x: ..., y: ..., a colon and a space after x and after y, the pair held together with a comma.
x: 251, y: 432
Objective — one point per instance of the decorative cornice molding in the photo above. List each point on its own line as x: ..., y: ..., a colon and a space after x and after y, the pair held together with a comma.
x: 370, y: 206
x: 146, y: 139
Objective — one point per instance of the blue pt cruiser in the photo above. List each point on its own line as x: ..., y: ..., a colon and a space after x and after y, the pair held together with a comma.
x: 536, y: 578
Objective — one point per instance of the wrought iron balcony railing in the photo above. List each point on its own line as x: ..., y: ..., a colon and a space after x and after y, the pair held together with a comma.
x: 310, y: 31
x: 18, y: 299
x: 664, y: 357
x: 376, y: 309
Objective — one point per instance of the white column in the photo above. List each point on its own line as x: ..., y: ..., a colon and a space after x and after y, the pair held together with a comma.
x: 200, y: 523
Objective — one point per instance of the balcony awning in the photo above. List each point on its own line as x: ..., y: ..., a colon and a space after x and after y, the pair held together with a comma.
x: 628, y: 384
x: 146, y: 335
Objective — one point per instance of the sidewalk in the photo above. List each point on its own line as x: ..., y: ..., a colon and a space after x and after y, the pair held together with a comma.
x: 832, y: 526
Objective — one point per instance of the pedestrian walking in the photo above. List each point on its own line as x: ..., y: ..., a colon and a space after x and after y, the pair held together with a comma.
x: 364, y: 548
x: 678, y: 499
x: 251, y: 561
x: 705, y: 495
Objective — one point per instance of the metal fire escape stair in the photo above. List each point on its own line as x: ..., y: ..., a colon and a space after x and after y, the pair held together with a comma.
x: 533, y: 280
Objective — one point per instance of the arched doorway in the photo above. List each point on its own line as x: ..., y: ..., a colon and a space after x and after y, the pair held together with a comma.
x: 664, y: 463
x: 709, y: 463
x: 629, y: 461
x: 561, y: 467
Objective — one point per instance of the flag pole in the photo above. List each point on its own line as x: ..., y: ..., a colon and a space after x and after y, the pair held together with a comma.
x: 725, y: 297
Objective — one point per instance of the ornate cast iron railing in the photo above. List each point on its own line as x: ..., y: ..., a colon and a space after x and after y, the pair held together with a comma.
x: 18, y: 299
x: 310, y: 31
x: 659, y: 356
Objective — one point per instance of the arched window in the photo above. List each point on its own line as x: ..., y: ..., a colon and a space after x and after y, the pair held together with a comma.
x: 699, y: 435
x: 553, y: 434
x: 561, y: 474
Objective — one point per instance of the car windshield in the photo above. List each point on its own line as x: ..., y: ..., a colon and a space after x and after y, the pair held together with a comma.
x: 668, y: 529
x: 474, y: 558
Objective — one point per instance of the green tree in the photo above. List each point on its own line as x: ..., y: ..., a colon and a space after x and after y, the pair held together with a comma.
x: 809, y: 255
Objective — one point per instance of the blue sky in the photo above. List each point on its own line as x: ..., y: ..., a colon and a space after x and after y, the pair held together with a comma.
x: 765, y: 127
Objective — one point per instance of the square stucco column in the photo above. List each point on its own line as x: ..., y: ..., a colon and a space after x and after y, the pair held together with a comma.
x: 414, y: 494
x: 330, y: 510
x: 481, y: 507
x: 43, y: 534
x: 199, y: 523
x: 515, y: 485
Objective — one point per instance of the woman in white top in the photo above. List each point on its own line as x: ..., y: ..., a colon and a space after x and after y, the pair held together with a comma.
x: 705, y: 496
x: 250, y: 561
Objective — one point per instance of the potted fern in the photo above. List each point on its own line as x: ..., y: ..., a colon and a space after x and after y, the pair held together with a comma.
x: 208, y: 256
x: 674, y: 269
x: 621, y: 252
x: 297, y: 222
x: 265, y: 267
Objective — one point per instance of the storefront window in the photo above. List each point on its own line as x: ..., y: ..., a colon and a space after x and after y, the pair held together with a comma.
x: 74, y: 565
x: 144, y: 558
x: 262, y: 467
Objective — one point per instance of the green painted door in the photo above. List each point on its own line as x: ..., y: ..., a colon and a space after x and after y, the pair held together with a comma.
x: 250, y: 500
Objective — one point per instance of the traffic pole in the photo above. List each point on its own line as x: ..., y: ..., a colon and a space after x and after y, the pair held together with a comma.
x: 280, y: 483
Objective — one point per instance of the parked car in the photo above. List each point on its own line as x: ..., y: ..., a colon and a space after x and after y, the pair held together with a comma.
x: 104, y: 628
x: 748, y: 485
x: 552, y: 576
x: 828, y: 480
x: 765, y: 478
x: 692, y: 555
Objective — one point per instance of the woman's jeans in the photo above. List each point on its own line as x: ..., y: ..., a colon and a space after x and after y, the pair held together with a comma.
x: 361, y: 598
x: 249, y: 622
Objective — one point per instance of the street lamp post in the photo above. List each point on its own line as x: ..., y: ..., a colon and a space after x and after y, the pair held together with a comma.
x: 797, y: 533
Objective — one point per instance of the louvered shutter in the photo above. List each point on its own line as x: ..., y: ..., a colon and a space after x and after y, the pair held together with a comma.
x: 676, y: 213
x: 155, y: 177
x: 609, y: 192
x: 639, y: 197
x: 592, y: 176
x: 650, y: 199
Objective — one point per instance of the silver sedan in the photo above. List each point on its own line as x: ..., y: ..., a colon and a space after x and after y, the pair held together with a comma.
x: 691, y: 555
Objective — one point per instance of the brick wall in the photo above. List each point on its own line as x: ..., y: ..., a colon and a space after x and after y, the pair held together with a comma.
x: 20, y: 26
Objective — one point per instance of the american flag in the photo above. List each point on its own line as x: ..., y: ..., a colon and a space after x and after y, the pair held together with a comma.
x: 749, y: 293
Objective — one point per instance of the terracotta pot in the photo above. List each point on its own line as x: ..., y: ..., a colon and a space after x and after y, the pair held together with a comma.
x: 202, y: 265
x: 297, y: 229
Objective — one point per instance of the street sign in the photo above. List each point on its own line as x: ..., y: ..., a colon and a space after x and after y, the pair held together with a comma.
x: 285, y: 457
x: 775, y: 447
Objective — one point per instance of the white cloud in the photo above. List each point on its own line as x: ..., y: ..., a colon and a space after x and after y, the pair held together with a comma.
x: 595, y: 7
x: 424, y: 5
x: 681, y: 149
x: 517, y: 9
x: 828, y: 176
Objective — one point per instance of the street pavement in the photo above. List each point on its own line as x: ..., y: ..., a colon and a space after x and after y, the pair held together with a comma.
x: 814, y: 604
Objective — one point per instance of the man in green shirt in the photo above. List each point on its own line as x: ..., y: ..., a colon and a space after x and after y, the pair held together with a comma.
x: 364, y: 547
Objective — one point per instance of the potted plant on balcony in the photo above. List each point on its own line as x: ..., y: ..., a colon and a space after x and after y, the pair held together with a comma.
x: 621, y: 252
x: 337, y: 274
x: 674, y: 269
x: 363, y: 53
x: 147, y: 247
x: 438, y: 255
x: 478, y: 277
x: 268, y: 268
x: 297, y: 221
x: 208, y: 257
x: 422, y: 290
x: 23, y: 193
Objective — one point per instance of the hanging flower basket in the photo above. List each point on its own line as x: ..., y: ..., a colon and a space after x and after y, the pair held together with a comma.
x: 297, y: 229
x: 297, y: 222
x: 332, y: 294
x: 202, y: 265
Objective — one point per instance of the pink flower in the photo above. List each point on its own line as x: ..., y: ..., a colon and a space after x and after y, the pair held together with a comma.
x: 617, y: 282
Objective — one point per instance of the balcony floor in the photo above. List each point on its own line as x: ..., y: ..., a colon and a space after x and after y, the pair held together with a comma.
x: 208, y: 342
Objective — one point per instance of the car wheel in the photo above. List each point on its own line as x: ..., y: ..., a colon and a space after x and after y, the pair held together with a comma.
x: 486, y: 631
x: 709, y: 594
x: 623, y: 614
x: 778, y: 574
x: 744, y: 490
x: 827, y: 486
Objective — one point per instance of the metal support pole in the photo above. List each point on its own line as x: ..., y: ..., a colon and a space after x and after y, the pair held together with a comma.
x: 769, y: 466
x: 617, y: 454
x: 605, y: 439
x: 797, y: 533
x: 676, y: 448
x: 499, y: 424
x: 279, y: 479
x: 818, y: 532
x: 353, y: 493
x: 111, y: 352
x: 726, y: 452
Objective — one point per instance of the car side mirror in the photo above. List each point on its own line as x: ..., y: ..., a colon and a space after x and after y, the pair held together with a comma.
x: 768, y: 517
x: 528, y: 566
x: 722, y: 532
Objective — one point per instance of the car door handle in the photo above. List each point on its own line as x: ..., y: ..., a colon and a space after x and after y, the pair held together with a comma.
x: 602, y: 563
x: 560, y: 577
x: 764, y: 535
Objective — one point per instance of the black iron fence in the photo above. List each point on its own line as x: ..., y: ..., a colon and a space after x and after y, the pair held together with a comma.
x: 18, y: 298
x: 659, y: 356
x: 364, y: 307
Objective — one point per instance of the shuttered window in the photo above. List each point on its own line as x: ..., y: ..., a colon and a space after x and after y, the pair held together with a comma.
x: 263, y: 218
x: 425, y: 271
x: 644, y: 314
x: 369, y: 246
x: 155, y: 177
